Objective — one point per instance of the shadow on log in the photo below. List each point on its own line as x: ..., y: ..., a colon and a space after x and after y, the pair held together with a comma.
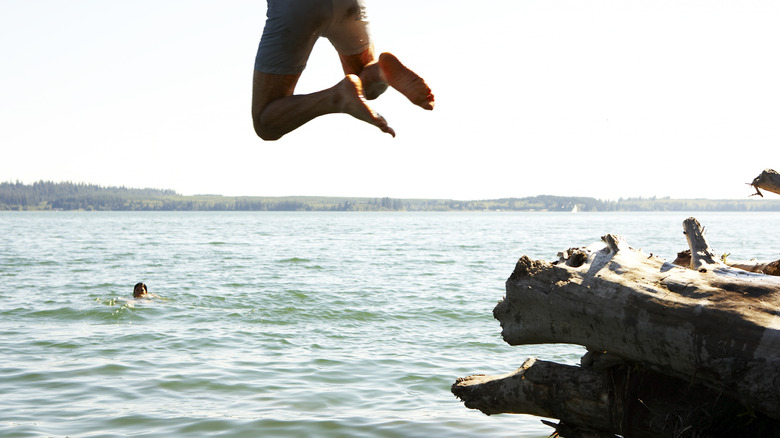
x: 673, y: 351
x: 626, y: 400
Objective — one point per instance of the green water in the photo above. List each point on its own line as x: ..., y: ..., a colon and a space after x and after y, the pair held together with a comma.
x: 283, y: 324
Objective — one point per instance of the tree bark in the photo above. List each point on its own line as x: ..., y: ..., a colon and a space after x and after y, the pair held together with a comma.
x: 601, y: 400
x: 581, y: 396
x: 709, y: 324
x: 769, y: 180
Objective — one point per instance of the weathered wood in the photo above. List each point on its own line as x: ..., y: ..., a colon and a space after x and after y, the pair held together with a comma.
x: 581, y: 396
x: 769, y: 180
x: 769, y: 268
x: 604, y: 400
x: 701, y: 253
x: 715, y: 325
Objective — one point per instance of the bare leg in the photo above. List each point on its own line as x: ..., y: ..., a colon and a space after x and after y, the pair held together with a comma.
x: 365, y: 65
x: 276, y: 111
x: 377, y: 74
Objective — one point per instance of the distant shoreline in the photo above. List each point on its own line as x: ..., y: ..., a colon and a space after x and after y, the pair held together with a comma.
x: 52, y: 196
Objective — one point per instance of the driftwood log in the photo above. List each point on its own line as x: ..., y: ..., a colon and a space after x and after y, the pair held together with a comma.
x: 762, y: 267
x: 673, y: 351
x: 769, y: 180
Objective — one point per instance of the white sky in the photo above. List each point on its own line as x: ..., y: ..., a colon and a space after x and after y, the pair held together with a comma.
x: 587, y: 98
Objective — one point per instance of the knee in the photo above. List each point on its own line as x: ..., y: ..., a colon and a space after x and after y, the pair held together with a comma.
x: 264, y: 131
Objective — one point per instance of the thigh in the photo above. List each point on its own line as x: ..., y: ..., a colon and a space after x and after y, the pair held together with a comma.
x: 268, y: 87
x: 291, y: 29
x: 349, y: 31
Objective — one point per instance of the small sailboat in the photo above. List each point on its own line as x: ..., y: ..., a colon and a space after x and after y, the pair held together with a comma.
x: 575, y: 209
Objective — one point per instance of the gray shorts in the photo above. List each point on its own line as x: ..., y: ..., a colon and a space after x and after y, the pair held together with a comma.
x: 293, y: 26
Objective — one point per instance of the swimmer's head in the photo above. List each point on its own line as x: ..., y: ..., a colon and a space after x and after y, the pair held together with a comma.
x: 139, y: 290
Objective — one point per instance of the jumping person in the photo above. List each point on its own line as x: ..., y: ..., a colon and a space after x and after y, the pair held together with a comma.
x: 291, y: 29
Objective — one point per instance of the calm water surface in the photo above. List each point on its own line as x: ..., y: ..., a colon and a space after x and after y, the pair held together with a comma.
x: 284, y: 324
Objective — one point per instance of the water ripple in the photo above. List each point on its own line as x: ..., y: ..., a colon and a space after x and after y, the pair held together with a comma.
x: 299, y: 324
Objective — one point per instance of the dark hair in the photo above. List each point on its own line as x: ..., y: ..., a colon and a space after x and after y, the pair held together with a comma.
x: 139, y: 290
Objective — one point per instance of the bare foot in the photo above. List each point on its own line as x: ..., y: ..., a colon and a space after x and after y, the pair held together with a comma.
x: 406, y: 81
x: 350, y: 92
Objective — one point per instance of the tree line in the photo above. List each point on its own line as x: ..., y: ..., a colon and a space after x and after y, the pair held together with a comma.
x: 47, y: 195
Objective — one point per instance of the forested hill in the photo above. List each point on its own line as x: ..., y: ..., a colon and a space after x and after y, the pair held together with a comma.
x: 46, y: 195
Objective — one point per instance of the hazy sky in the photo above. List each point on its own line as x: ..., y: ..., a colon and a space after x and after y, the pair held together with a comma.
x: 589, y: 98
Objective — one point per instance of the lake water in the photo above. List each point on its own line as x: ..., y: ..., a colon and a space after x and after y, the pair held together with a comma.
x: 284, y: 324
